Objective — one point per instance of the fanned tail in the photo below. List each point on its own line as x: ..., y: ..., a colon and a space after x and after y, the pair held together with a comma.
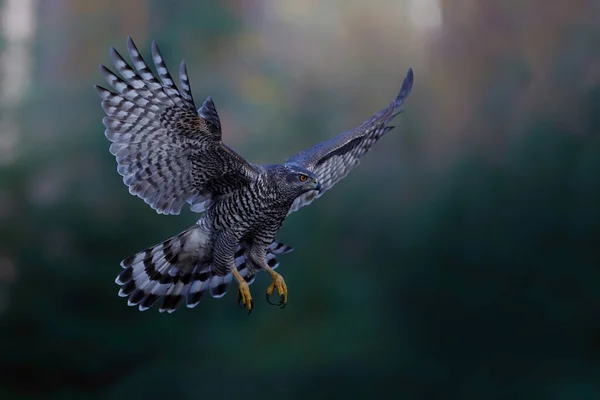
x: 180, y: 267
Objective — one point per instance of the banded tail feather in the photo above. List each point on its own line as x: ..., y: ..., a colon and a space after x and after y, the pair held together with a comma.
x: 180, y: 268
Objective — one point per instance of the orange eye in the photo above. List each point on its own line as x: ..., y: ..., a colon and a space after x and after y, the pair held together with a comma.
x: 303, y: 178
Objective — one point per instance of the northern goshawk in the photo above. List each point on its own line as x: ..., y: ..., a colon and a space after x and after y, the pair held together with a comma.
x: 170, y: 153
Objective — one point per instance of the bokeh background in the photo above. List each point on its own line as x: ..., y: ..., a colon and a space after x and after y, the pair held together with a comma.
x: 460, y: 261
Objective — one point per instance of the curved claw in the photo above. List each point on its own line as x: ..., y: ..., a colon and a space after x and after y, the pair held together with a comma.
x: 268, y: 297
x: 279, y: 284
x: 240, y: 301
x: 244, y: 298
x: 281, y: 303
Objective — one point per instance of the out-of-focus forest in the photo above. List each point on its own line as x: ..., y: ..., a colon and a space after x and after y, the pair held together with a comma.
x: 460, y: 261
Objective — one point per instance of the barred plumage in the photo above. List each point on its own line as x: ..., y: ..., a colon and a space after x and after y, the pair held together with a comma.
x: 165, y: 151
x: 335, y: 158
x: 170, y: 153
x: 173, y: 271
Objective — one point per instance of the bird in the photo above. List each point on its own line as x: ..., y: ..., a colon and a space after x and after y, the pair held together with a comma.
x: 171, y: 153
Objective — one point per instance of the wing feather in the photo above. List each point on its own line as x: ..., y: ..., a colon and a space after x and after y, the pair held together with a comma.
x: 333, y: 159
x: 168, y: 152
x: 184, y: 81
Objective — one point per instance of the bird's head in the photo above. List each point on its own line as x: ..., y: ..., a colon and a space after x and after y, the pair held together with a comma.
x: 294, y: 180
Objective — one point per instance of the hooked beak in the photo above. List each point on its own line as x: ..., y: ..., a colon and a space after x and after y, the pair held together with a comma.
x: 317, y: 185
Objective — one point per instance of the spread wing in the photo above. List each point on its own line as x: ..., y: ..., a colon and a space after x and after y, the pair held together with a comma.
x: 334, y: 158
x: 167, y: 152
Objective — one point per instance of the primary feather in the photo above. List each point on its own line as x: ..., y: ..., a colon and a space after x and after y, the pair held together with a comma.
x: 167, y: 152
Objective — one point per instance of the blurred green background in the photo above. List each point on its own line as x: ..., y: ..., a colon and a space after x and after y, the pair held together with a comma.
x: 460, y: 261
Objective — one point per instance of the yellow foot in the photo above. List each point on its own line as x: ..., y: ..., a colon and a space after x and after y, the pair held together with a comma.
x: 279, y: 284
x: 244, y: 296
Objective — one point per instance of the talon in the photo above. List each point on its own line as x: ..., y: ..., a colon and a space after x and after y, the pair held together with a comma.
x: 244, y: 296
x: 279, y: 284
x: 268, y: 296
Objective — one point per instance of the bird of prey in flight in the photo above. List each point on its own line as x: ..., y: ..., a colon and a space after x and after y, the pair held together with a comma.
x: 171, y: 153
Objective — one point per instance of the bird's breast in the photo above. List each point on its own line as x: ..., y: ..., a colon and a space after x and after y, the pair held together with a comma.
x: 248, y: 210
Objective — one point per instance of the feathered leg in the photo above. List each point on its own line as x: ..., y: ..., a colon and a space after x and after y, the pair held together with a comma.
x: 225, y: 247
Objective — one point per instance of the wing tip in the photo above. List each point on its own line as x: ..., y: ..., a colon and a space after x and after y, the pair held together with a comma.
x: 102, y: 91
x: 406, y: 88
x: 155, y: 50
x: 117, y: 59
x: 131, y: 47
